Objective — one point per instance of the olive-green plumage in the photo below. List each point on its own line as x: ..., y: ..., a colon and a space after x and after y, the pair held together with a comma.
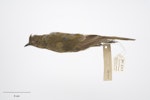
x: 65, y: 42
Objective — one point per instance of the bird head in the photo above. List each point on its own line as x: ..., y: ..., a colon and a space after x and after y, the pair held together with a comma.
x: 35, y: 40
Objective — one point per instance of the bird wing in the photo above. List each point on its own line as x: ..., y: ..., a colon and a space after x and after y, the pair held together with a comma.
x: 89, y: 41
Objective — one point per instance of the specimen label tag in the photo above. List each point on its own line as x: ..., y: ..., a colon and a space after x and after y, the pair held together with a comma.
x: 119, y: 62
x: 107, y: 62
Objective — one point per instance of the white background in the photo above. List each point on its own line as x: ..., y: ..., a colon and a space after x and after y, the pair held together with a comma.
x: 73, y: 76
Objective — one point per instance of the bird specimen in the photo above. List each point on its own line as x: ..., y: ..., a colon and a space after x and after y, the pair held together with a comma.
x: 65, y: 42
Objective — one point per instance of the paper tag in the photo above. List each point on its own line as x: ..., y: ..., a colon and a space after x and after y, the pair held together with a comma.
x: 107, y: 62
x: 119, y: 61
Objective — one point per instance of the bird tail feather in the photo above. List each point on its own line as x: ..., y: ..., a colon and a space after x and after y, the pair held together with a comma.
x: 117, y: 38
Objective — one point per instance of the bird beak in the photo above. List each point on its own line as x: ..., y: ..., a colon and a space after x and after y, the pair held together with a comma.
x: 27, y: 44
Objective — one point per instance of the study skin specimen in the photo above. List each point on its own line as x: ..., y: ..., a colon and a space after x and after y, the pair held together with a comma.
x: 66, y: 42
